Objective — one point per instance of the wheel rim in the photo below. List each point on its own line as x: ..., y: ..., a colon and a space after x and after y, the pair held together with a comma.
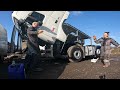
x: 77, y: 54
x: 98, y: 51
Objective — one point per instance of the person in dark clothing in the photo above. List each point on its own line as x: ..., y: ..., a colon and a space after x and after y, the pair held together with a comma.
x: 105, y: 42
x: 33, y: 52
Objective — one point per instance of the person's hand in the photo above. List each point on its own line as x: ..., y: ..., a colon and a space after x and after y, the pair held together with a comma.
x: 40, y: 31
x: 94, y: 37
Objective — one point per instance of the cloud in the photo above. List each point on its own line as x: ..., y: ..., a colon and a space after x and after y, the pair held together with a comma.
x: 76, y: 13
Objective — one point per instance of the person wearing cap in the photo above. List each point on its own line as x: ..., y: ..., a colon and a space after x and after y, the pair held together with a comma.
x: 105, y: 42
x: 33, y: 51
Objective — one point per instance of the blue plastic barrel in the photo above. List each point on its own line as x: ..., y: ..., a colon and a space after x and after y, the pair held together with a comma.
x: 16, y: 71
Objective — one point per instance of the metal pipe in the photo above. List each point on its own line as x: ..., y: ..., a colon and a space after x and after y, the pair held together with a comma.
x: 12, y: 46
x: 18, y: 42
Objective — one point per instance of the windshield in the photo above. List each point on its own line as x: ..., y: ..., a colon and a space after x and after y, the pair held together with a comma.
x: 35, y: 17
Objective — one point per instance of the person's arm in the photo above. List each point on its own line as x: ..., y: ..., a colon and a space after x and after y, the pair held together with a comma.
x: 29, y: 31
x: 98, y: 41
x: 115, y: 43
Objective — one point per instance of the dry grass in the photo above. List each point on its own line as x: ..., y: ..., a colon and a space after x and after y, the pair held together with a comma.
x: 115, y: 52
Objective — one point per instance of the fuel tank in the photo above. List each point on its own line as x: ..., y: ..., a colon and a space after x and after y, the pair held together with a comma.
x: 3, y: 41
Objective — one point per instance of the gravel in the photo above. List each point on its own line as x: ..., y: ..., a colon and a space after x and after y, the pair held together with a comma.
x: 60, y: 69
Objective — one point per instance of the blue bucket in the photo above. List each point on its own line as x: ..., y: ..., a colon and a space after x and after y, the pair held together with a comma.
x: 16, y: 71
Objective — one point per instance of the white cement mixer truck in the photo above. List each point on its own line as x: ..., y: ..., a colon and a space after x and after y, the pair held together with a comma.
x: 58, y: 39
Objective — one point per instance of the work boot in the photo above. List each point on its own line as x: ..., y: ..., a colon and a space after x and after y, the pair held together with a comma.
x: 106, y: 63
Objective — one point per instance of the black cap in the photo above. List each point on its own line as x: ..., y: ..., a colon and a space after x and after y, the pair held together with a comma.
x: 107, y: 32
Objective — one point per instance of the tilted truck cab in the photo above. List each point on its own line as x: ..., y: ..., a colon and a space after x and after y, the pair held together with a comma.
x: 51, y: 23
x: 57, y: 38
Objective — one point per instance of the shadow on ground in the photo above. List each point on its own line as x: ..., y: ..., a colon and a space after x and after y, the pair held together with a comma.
x: 3, y: 71
x: 52, y: 69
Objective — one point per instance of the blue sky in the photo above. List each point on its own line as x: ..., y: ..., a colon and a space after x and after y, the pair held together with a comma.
x: 90, y: 22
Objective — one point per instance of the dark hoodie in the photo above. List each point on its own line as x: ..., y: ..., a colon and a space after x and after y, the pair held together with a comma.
x: 32, y: 37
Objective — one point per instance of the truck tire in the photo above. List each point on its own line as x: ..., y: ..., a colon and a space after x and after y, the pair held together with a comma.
x: 97, y: 52
x: 75, y: 54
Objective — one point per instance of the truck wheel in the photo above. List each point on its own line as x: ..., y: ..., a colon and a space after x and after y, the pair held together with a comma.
x: 75, y: 54
x: 97, y: 52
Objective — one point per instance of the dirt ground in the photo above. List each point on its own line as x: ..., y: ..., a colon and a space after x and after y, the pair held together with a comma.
x: 59, y: 69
